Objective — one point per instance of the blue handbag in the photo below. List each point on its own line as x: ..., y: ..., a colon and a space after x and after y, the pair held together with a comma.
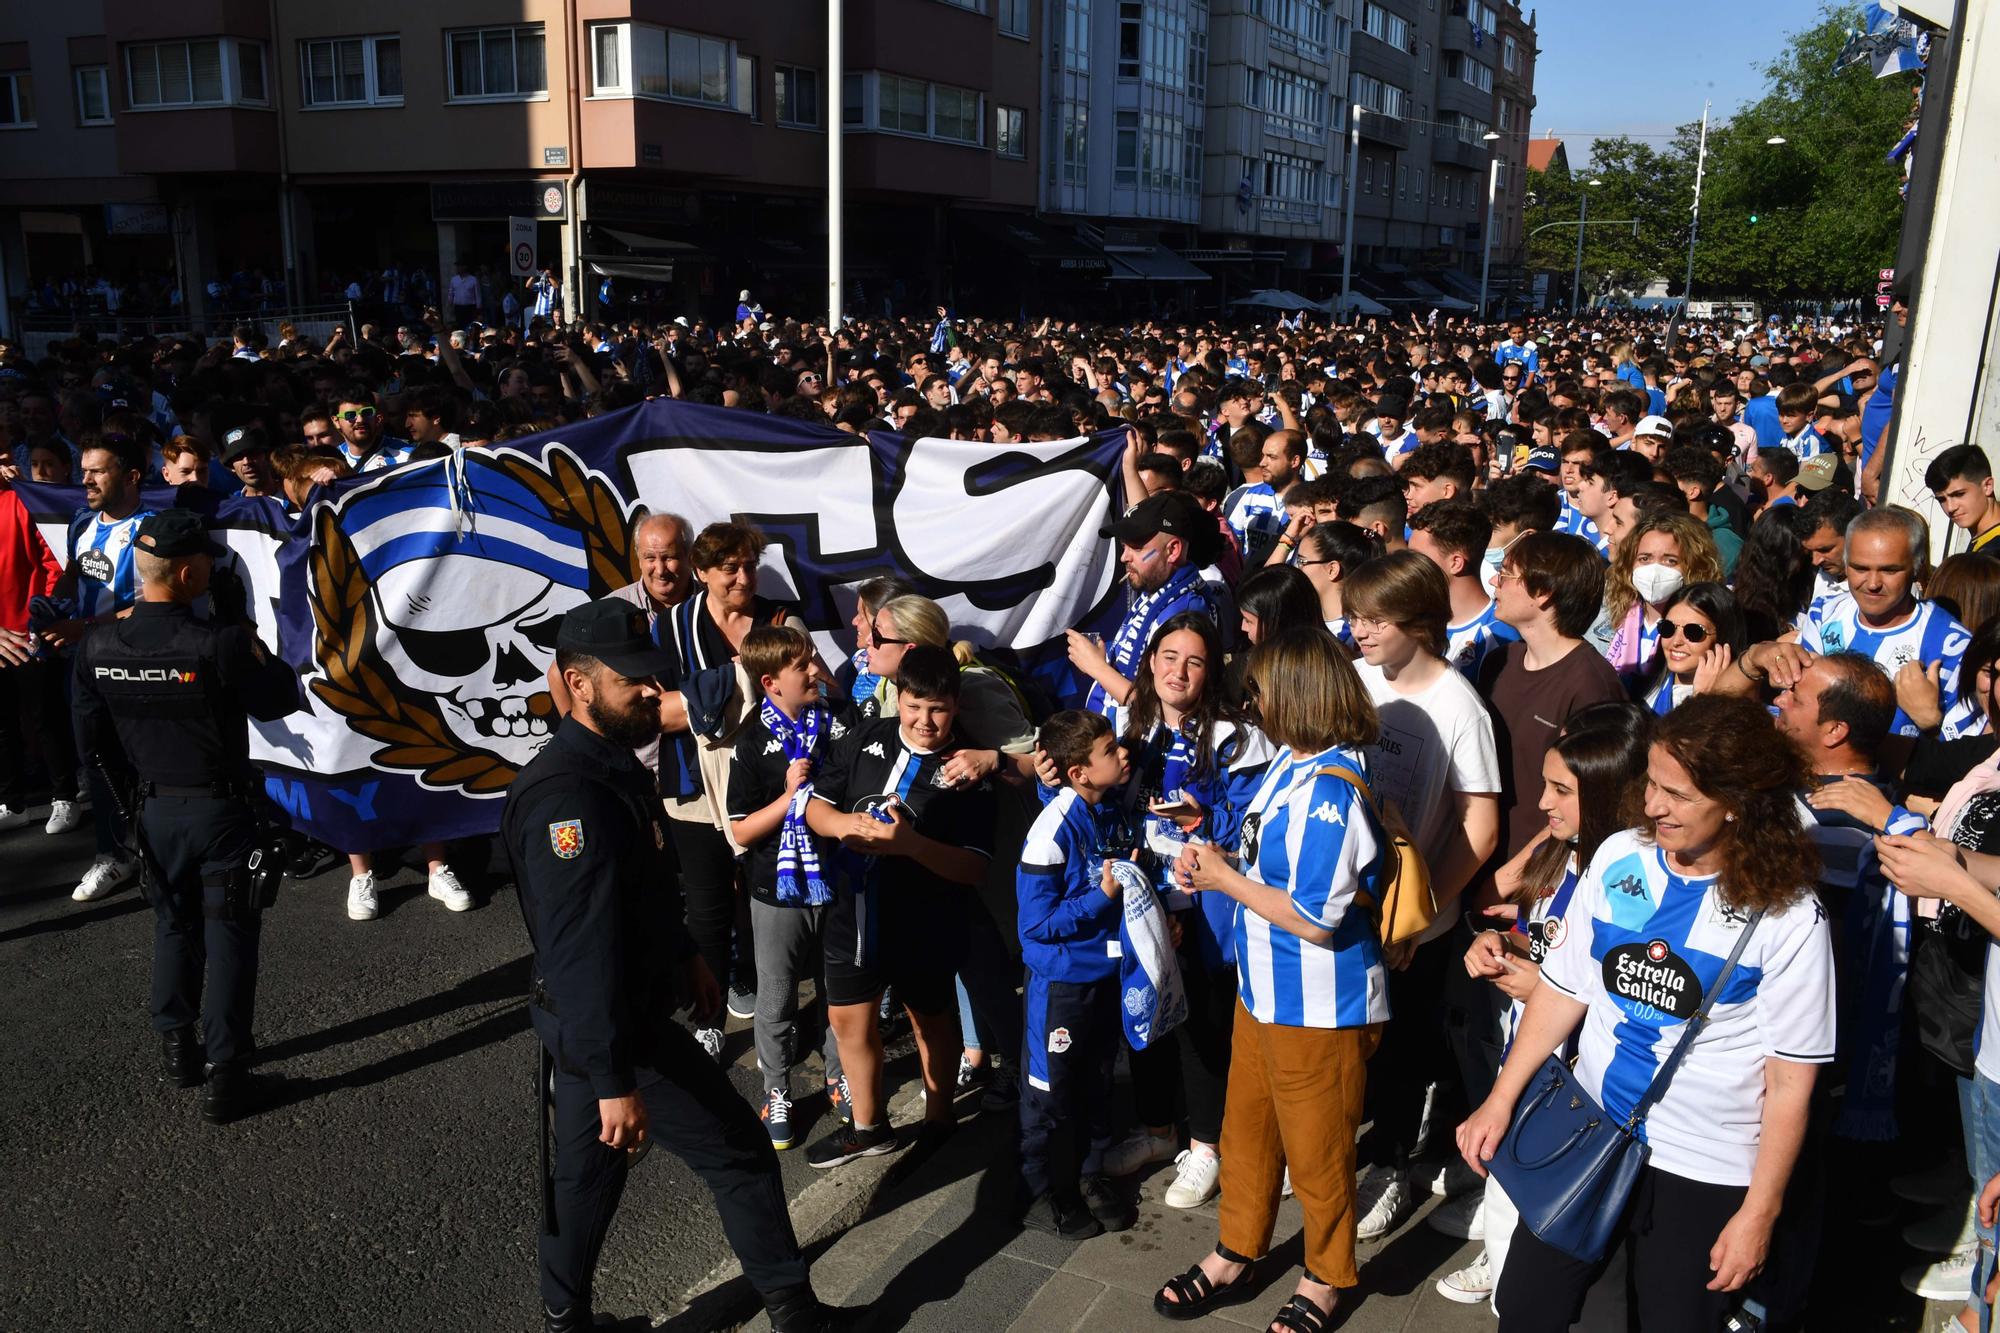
x: 1566, y: 1164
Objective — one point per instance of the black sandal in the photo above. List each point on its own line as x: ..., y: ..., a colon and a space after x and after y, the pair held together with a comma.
x: 1195, y: 1294
x: 1300, y: 1315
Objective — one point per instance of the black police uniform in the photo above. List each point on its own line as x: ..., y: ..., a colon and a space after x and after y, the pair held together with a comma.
x: 162, y: 701
x: 584, y: 828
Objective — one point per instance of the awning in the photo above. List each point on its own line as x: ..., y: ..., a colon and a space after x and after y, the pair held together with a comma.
x: 633, y: 240
x: 645, y: 270
x: 1037, y: 241
x: 1154, y: 263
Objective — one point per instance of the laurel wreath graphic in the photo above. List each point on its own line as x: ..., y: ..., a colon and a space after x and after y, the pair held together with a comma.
x: 354, y: 682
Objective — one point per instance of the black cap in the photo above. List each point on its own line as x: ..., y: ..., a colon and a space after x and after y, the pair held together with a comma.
x: 614, y: 632
x: 1544, y: 458
x: 174, y: 532
x: 248, y: 438
x: 1717, y: 439
x: 1175, y: 513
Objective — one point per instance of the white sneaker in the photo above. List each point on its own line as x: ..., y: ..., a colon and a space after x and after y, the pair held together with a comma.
x: 1197, y: 1172
x: 1285, y: 1189
x: 1455, y: 1178
x: 63, y: 816
x: 1949, y: 1279
x: 1946, y: 1231
x: 1469, y: 1285
x: 1461, y: 1217
x: 444, y: 887
x: 107, y: 874
x: 362, y: 904
x: 1384, y: 1200
x: 711, y: 1041
x: 10, y: 818
x: 1137, y: 1152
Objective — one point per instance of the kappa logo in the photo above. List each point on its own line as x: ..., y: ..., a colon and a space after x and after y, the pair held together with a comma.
x: 1325, y: 813
x: 875, y: 748
x: 774, y: 747
x: 839, y: 729
x: 1058, y: 1041
x: 1832, y: 637
x: 566, y: 838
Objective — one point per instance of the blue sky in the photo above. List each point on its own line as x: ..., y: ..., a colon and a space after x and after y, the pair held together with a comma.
x: 1612, y: 66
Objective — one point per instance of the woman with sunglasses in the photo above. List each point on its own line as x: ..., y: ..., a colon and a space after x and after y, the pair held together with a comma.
x: 1196, y: 759
x: 1700, y: 634
x: 1663, y: 552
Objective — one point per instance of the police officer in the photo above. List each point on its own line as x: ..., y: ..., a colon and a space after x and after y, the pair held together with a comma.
x: 583, y: 826
x: 161, y: 701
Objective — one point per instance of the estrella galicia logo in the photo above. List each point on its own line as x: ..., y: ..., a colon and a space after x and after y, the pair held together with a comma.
x: 1652, y: 982
x: 1252, y: 824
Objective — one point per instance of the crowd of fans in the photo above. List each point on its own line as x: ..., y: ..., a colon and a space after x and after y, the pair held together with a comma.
x: 1610, y: 618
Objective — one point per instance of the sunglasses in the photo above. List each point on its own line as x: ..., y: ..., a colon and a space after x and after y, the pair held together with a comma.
x: 887, y: 640
x: 359, y: 414
x: 1689, y: 630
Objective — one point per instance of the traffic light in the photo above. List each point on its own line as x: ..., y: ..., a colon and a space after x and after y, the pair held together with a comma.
x: 1753, y: 219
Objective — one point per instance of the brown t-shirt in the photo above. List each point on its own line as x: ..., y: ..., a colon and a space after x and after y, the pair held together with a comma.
x: 1528, y: 709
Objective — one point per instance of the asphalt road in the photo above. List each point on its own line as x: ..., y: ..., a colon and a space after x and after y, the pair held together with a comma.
x: 394, y: 1188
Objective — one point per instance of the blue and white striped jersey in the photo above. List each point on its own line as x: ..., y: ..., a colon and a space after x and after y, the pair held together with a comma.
x: 1572, y: 521
x: 1640, y: 946
x: 388, y: 452
x: 1928, y: 634
x: 1808, y: 443
x: 100, y: 550
x: 1467, y: 644
x: 1255, y: 513
x: 1309, y: 834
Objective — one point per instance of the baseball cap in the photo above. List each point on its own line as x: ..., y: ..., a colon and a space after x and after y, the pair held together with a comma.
x: 1654, y: 425
x: 614, y: 632
x: 1173, y: 512
x: 1544, y: 458
x: 1816, y: 473
x: 174, y: 532
x: 743, y: 295
x: 243, y: 440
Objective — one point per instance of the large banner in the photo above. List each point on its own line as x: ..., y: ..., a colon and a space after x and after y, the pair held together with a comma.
x: 421, y: 604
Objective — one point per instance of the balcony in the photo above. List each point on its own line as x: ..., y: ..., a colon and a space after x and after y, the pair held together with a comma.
x: 1448, y: 150
x: 1455, y: 94
x: 1388, y: 131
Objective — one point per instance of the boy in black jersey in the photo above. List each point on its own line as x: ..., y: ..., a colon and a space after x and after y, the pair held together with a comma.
x: 913, y: 842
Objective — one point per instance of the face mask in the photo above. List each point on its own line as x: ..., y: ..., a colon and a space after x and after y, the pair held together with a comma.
x: 1490, y: 576
x: 1656, y: 583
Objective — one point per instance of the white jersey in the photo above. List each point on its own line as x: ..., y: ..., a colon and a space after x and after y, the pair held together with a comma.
x: 1640, y: 945
x: 1928, y: 634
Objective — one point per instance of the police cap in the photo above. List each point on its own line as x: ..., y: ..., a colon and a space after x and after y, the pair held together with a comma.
x: 168, y: 533
x: 615, y: 632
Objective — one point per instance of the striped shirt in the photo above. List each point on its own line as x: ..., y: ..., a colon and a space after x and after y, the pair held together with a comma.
x: 1309, y: 834
x: 1256, y: 515
x: 388, y: 452
x: 1928, y: 634
x: 1640, y: 946
x: 1572, y: 521
x: 1467, y: 644
x: 100, y: 551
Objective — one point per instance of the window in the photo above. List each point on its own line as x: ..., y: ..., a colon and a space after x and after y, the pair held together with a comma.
x: 1130, y: 21
x: 1010, y: 131
x: 911, y: 106
x: 93, y: 95
x: 1477, y: 14
x: 17, y: 101
x: 206, y: 72
x: 1014, y: 18
x: 1294, y: 104
x: 1197, y: 66
x: 903, y: 105
x: 797, y: 102
x: 494, y: 63
x: 1075, y: 144
x: 853, y: 101
x: 746, y: 85
x: 1384, y: 26
x: 1467, y: 129
x: 640, y: 60
x: 351, y: 71
x: 1125, y: 160
x: 1343, y: 30
x: 955, y: 114
x: 1510, y: 55
x: 1402, y: 180
x: 1295, y: 25
x: 1457, y: 65
x: 1384, y: 98
x: 1291, y: 179
x: 1076, y: 36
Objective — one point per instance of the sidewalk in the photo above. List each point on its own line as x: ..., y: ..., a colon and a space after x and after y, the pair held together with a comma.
x: 940, y: 1248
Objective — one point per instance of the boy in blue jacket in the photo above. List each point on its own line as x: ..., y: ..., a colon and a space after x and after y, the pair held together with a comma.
x: 1069, y: 912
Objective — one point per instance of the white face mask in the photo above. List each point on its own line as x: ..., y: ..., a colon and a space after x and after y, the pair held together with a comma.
x: 1490, y: 575
x: 1656, y: 583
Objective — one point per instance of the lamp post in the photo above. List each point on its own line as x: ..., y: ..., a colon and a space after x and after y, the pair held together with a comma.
x: 1486, y: 236
x: 1582, y: 218
x: 1347, y: 236
x: 835, y: 113
x: 1694, y: 221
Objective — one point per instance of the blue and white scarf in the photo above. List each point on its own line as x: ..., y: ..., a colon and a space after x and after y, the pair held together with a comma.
x: 1129, y: 645
x: 799, y: 878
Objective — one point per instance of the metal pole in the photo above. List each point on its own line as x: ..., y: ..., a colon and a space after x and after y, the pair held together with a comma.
x: 1700, y: 165
x: 1486, y: 248
x: 1347, y: 238
x: 836, y: 115
x: 1576, y: 282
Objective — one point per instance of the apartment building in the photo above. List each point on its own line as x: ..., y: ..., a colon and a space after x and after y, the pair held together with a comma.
x: 677, y: 147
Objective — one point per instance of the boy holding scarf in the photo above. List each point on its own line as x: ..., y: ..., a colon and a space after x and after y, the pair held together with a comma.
x: 777, y: 752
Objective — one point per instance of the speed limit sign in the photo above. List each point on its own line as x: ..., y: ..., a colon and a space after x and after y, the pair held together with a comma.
x: 521, y: 247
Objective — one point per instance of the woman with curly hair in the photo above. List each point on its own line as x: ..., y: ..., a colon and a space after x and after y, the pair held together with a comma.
x: 1665, y: 550
x: 1719, y: 858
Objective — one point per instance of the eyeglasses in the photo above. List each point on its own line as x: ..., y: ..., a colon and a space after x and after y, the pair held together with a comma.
x: 886, y: 639
x: 1692, y: 631
x: 357, y: 414
x: 1506, y: 576
x: 1302, y: 564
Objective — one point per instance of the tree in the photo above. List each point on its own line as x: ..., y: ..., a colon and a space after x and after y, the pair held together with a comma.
x: 1825, y: 201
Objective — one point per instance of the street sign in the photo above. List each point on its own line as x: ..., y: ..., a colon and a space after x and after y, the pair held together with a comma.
x: 1885, y: 282
x: 521, y: 247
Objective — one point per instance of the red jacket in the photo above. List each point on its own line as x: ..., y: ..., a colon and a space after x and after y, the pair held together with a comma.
x: 28, y: 568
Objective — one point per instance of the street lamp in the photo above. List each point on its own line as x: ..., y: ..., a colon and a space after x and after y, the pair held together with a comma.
x: 1347, y: 238
x: 1775, y: 140
x: 1486, y: 236
x: 1582, y: 216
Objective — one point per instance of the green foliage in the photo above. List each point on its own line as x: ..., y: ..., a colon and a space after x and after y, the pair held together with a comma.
x: 1815, y: 216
